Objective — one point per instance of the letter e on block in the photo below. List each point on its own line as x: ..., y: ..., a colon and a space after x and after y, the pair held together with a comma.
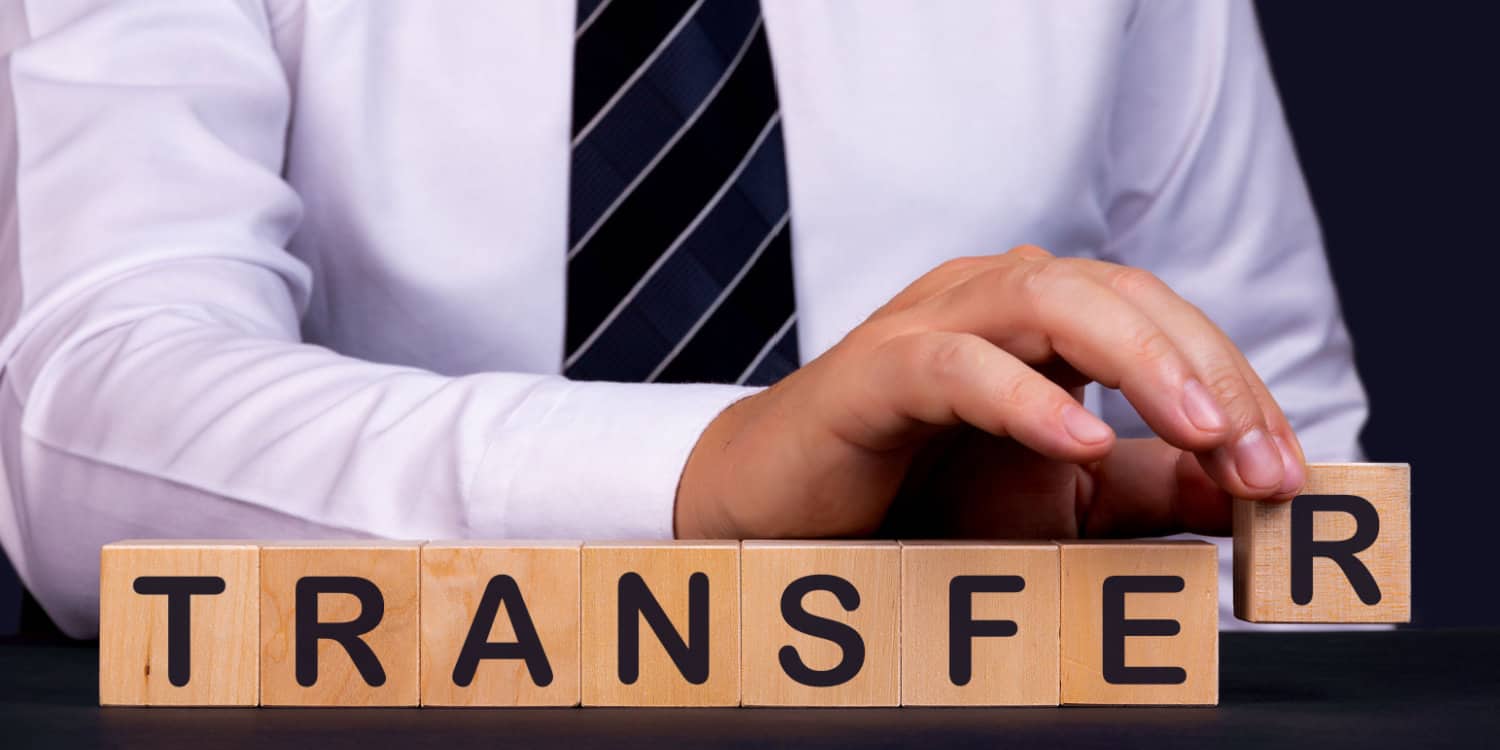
x: 661, y: 624
x: 339, y: 623
x: 500, y: 624
x: 1338, y: 553
x: 1140, y: 623
x: 979, y: 623
x: 822, y: 623
x: 178, y: 623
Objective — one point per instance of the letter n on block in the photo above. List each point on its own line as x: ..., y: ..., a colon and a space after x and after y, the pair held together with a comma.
x: 1339, y: 552
x: 822, y: 623
x: 979, y: 623
x: 500, y: 624
x: 178, y: 623
x: 661, y: 624
x: 339, y: 623
x: 1140, y: 623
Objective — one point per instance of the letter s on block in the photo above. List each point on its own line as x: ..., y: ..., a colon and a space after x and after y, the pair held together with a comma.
x: 847, y: 638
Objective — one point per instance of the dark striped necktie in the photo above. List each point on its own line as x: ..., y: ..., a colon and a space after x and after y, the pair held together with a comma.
x: 679, y: 257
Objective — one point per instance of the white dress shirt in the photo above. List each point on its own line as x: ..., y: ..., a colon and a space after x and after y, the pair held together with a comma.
x: 296, y: 269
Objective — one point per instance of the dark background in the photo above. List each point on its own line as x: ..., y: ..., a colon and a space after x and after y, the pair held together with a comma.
x: 1391, y: 107
x: 1390, y: 104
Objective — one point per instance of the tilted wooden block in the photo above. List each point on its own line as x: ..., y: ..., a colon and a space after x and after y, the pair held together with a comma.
x: 1140, y: 623
x: 979, y: 623
x: 1340, y: 552
x: 339, y: 623
x: 822, y: 623
x: 500, y: 624
x: 661, y: 624
x: 178, y: 623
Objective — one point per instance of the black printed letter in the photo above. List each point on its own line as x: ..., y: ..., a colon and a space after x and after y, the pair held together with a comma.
x: 963, y: 629
x: 346, y: 634
x: 528, y: 646
x: 636, y: 602
x: 847, y: 638
x: 1116, y: 628
x: 1304, y: 549
x: 179, y: 591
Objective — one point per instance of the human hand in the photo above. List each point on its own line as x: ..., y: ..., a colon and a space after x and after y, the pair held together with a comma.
x: 959, y: 397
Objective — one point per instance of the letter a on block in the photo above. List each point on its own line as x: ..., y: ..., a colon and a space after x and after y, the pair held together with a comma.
x: 178, y: 623
x: 338, y: 623
x: 500, y: 623
x: 661, y: 624
x: 1338, y: 553
x: 822, y: 623
x: 1140, y: 623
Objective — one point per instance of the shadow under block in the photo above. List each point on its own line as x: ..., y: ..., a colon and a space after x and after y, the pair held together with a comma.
x: 822, y: 623
x: 500, y: 624
x: 979, y: 623
x: 1338, y: 553
x: 339, y: 623
x: 661, y: 624
x: 178, y: 623
x: 1140, y: 623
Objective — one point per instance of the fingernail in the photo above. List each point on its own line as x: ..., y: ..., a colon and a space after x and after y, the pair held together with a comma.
x: 1292, y: 473
x: 1083, y: 426
x: 1257, y: 460
x: 1201, y: 407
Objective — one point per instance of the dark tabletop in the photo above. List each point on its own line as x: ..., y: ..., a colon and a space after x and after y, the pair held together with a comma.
x: 1366, y: 690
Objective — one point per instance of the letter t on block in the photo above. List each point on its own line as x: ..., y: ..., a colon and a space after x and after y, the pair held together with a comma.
x: 177, y: 623
x: 1340, y: 552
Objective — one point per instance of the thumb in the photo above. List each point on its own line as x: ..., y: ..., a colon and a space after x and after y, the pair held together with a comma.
x: 1146, y: 487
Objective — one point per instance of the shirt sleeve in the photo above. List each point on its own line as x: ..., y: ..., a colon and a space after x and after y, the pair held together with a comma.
x: 1205, y: 191
x: 152, y: 378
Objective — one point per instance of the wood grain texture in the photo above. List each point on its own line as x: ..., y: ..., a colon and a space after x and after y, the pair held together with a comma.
x: 224, y: 628
x: 395, y: 569
x: 454, y: 578
x: 1195, y: 648
x: 1017, y: 670
x: 874, y: 570
x: 1262, y: 547
x: 666, y: 569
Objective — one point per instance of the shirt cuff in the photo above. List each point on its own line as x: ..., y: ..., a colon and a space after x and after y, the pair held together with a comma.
x: 593, y: 460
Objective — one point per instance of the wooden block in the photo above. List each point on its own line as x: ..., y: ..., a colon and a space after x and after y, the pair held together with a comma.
x: 1140, y: 623
x: 822, y: 623
x: 979, y: 623
x: 676, y: 640
x: 500, y: 624
x: 178, y: 623
x: 1339, y: 552
x: 339, y: 623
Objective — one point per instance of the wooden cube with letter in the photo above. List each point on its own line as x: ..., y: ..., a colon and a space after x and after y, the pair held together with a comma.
x: 1140, y: 623
x: 687, y: 596
x: 822, y: 623
x: 178, y: 623
x: 339, y: 623
x: 500, y: 624
x: 1338, y: 553
x: 979, y: 623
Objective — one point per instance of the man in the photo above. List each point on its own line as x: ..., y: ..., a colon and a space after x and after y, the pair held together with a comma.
x: 284, y: 269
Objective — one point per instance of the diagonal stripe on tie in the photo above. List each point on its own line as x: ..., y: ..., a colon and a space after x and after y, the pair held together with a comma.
x: 605, y: 267
x: 652, y: 115
x: 679, y: 264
